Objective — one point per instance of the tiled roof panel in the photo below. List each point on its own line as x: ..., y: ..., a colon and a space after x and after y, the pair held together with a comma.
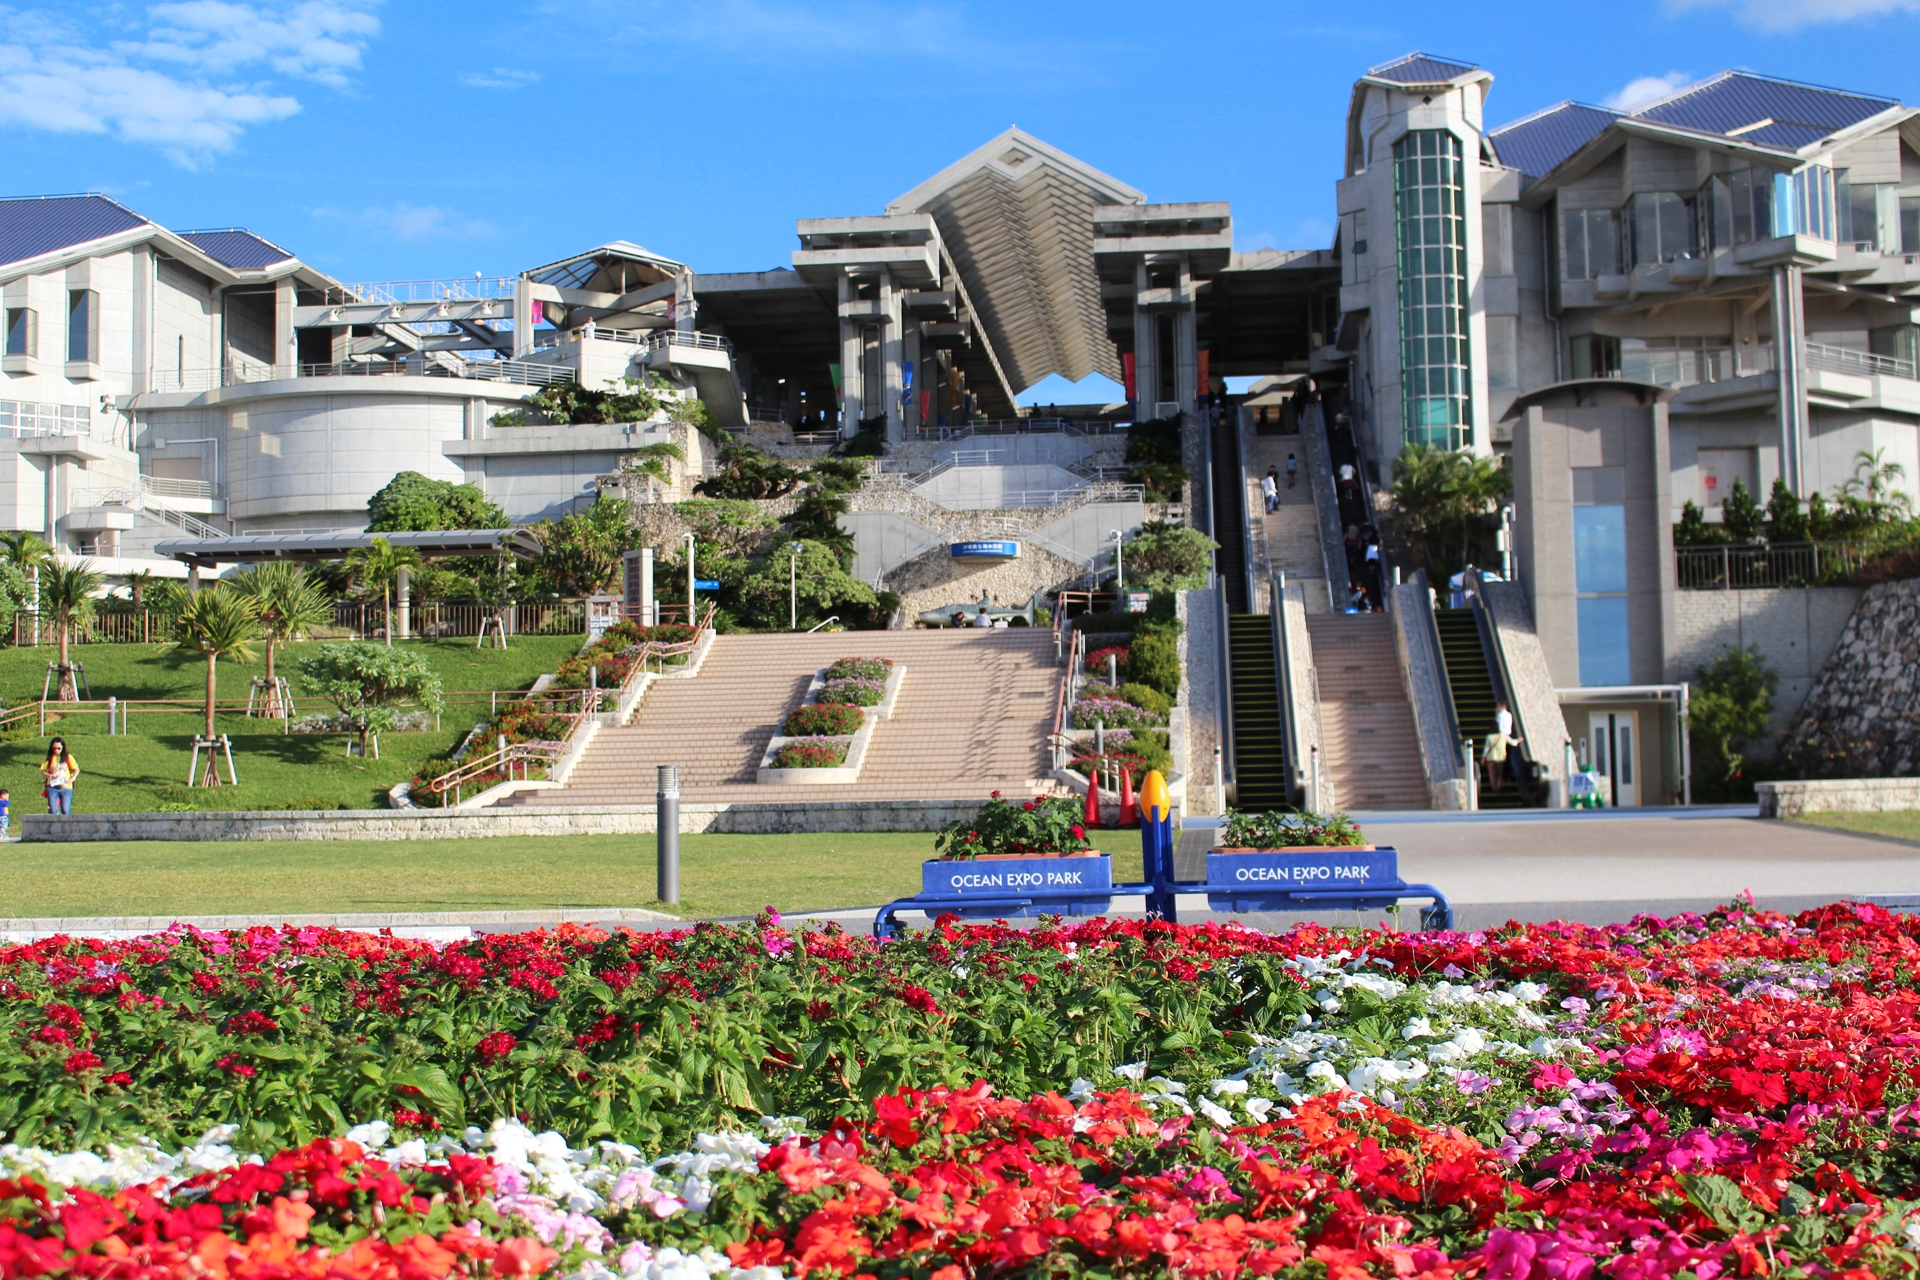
x: 1790, y: 137
x: 1542, y: 140
x: 1736, y: 99
x: 1419, y: 68
x: 47, y: 224
x: 241, y: 250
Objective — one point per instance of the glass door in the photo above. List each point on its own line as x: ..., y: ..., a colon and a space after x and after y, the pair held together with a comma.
x: 1616, y: 755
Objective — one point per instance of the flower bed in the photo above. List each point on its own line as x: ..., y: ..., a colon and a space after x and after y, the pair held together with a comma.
x: 810, y: 753
x: 817, y: 719
x: 860, y: 669
x: 1699, y: 1097
x: 1097, y: 659
x: 615, y: 653
x: 1044, y: 824
x: 854, y: 692
x: 1115, y: 714
x: 1287, y: 830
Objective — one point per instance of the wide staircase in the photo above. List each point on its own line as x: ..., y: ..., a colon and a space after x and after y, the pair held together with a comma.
x: 1259, y: 745
x: 1471, y: 684
x: 1368, y: 747
x: 971, y: 718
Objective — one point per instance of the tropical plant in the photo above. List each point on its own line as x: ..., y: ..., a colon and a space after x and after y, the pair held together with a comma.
x: 414, y: 503
x: 1743, y: 518
x: 378, y: 567
x: 1786, y: 522
x: 66, y: 590
x: 287, y: 601
x: 747, y: 472
x: 1153, y: 659
x: 137, y: 584
x: 1871, y: 491
x: 580, y: 552
x: 1730, y: 705
x: 217, y: 622
x: 1167, y: 557
x: 28, y: 553
x: 764, y: 591
x: 630, y: 400
x: 651, y: 460
x: 369, y: 683
x: 1693, y: 529
x: 1439, y: 497
x: 1044, y: 824
x: 1281, y: 829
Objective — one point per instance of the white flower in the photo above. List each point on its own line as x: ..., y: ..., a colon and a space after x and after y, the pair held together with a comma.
x: 1417, y: 1029
x: 372, y: 1136
x: 1529, y: 991
x: 1228, y: 1087
x: 1082, y: 1090
x: 1132, y: 1071
x: 1258, y: 1108
x: 1216, y: 1113
x: 1167, y: 1086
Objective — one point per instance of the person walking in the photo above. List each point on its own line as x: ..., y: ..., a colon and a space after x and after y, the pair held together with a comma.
x: 60, y: 771
x: 1270, y: 489
x: 1494, y: 754
x: 1293, y: 469
x: 1348, y: 481
x: 6, y: 811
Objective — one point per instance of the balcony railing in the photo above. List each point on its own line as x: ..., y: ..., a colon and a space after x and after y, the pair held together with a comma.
x: 402, y: 291
x: 520, y: 372
x: 1792, y: 564
x: 1863, y: 363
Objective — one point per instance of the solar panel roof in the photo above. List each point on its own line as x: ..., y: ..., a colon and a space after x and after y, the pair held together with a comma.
x: 46, y: 224
x: 1537, y: 143
x: 242, y: 250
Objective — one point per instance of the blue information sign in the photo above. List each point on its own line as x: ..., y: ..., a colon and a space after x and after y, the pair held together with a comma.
x: 986, y: 550
x: 706, y: 584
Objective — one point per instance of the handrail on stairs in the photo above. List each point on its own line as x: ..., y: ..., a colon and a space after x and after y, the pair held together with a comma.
x: 1432, y: 630
x: 1283, y: 683
x: 1501, y: 674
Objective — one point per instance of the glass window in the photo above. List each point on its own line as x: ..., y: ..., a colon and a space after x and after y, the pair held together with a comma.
x: 80, y: 320
x: 1600, y: 573
x: 23, y: 332
x: 1804, y: 203
x: 1677, y: 362
x: 1496, y: 238
x: 1431, y: 244
x: 1600, y: 548
x: 1662, y: 224
x: 1910, y: 224
x: 1592, y: 243
x: 1604, y: 655
x: 1594, y: 355
x: 1751, y: 215
x: 1859, y: 209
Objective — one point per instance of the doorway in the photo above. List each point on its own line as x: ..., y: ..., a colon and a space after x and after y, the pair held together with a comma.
x: 1616, y: 754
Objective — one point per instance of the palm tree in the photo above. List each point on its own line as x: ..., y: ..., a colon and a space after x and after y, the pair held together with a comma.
x: 287, y: 601
x: 379, y: 566
x: 1872, y: 485
x: 217, y: 623
x: 68, y: 592
x: 29, y: 553
x: 137, y: 583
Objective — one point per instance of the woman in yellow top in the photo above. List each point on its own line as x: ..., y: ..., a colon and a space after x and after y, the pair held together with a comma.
x: 60, y: 771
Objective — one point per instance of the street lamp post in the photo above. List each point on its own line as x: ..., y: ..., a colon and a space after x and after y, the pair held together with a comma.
x: 793, y: 584
x: 1119, y: 570
x: 692, y: 617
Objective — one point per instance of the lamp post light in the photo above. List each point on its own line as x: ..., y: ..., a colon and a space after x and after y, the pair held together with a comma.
x: 692, y: 617
x: 793, y: 584
x: 1119, y: 570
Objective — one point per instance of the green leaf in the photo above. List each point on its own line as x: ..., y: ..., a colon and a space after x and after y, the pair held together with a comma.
x: 435, y: 1087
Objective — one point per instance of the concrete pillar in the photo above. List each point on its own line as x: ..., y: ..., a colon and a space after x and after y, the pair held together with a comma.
x: 1146, y: 367
x: 910, y: 359
x: 852, y: 367
x: 891, y: 379
x: 144, y: 267
x: 522, y: 319
x: 1789, y: 355
x: 286, y: 345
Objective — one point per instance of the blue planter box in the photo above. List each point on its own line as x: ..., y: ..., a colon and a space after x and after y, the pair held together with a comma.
x: 1067, y: 885
x: 1268, y: 879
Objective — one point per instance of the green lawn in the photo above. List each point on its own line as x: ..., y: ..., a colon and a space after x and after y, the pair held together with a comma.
x: 719, y: 875
x: 146, y: 768
x: 1903, y: 824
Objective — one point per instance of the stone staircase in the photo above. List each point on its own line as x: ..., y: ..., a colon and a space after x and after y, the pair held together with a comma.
x: 971, y: 718
x: 1369, y: 749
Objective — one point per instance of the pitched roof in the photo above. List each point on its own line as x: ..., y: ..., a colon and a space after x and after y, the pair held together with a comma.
x: 237, y: 248
x: 36, y: 225
x: 1792, y: 115
x: 1536, y: 143
x: 1420, y: 68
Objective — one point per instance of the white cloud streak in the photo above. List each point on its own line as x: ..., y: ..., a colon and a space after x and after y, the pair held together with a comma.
x: 1638, y: 93
x: 412, y: 223
x: 500, y: 78
x: 184, y: 80
x: 1793, y: 15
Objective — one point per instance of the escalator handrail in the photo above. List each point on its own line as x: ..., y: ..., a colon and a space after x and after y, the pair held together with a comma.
x: 1240, y: 501
x: 1283, y: 686
x: 1500, y: 674
x: 1223, y: 618
x: 1425, y: 606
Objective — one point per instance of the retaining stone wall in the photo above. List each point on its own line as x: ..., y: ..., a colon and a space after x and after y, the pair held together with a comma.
x: 1838, y: 795
x: 460, y: 824
x: 1863, y: 717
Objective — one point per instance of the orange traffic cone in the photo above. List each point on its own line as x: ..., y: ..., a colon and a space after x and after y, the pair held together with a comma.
x: 1129, y: 816
x: 1092, y: 818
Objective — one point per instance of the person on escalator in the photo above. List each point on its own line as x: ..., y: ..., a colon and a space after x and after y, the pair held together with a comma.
x: 1293, y: 469
x: 1494, y: 753
x: 1357, y: 600
x: 1270, y: 489
x: 1348, y: 482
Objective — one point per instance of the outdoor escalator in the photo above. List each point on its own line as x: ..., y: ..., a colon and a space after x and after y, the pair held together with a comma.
x: 1259, y: 743
x: 1470, y: 679
x: 1230, y: 517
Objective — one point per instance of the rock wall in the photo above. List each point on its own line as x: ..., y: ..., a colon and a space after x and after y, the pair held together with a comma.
x: 934, y: 579
x: 1862, y: 719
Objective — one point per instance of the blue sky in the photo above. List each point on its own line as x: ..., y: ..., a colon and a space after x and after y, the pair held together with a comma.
x: 412, y: 140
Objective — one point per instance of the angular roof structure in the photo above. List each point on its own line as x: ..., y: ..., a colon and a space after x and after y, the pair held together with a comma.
x: 39, y: 225
x: 1536, y: 143
x: 615, y: 267
x: 1421, y: 68
x: 1016, y: 217
x: 1763, y: 110
x: 236, y: 247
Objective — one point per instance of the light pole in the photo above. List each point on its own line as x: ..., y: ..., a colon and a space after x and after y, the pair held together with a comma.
x: 1119, y: 570
x: 692, y: 618
x: 793, y: 584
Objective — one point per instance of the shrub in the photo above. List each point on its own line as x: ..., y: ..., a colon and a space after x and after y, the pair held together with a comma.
x: 854, y: 693
x: 1113, y: 713
x: 1168, y: 557
x: 1145, y: 698
x: 1044, y: 824
x: 811, y: 753
x: 1138, y: 752
x: 860, y: 669
x: 1156, y: 662
x: 1282, y: 829
x: 832, y: 719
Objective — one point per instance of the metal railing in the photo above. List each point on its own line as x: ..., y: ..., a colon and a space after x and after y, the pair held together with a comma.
x: 513, y: 762
x: 680, y: 338
x: 439, y: 365
x: 402, y: 291
x: 1790, y: 564
x: 1018, y: 426
x: 140, y: 497
x: 1864, y: 363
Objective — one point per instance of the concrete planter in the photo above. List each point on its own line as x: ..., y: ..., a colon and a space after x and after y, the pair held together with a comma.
x: 1262, y: 879
x: 999, y: 876
x: 849, y: 770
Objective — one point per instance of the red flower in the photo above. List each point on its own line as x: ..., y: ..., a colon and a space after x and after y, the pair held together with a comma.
x: 251, y: 1023
x: 81, y: 1061
x: 1079, y: 832
x: 405, y: 1119
x: 120, y: 1078
x: 1028, y: 806
x: 496, y: 1046
x: 819, y: 1010
x: 228, y: 1062
x: 919, y: 998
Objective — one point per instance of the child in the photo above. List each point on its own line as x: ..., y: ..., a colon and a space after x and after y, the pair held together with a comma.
x: 6, y: 806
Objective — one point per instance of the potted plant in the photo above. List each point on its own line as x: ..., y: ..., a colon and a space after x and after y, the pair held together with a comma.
x: 1263, y: 859
x: 1007, y: 851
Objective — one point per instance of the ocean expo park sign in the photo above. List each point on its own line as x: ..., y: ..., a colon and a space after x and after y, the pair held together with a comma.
x: 986, y: 550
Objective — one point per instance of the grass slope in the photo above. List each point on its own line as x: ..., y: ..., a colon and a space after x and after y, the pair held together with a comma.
x: 146, y: 768
x: 1902, y: 824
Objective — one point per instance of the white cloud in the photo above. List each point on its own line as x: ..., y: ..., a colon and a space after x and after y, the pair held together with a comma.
x: 1792, y: 15
x: 500, y: 78
x: 1638, y: 93
x: 170, y: 81
x: 408, y: 222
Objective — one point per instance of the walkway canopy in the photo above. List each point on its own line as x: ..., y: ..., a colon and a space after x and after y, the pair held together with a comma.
x: 310, y: 548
